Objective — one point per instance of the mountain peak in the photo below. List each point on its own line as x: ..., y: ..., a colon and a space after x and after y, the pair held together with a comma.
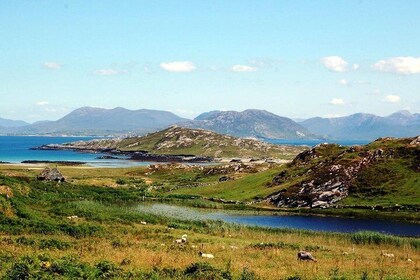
x: 250, y: 123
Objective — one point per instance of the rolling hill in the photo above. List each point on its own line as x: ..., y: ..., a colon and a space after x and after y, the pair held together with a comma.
x: 177, y: 140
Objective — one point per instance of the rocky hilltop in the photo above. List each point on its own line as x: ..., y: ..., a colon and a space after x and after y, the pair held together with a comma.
x: 329, y: 174
x: 250, y: 123
x: 186, y: 142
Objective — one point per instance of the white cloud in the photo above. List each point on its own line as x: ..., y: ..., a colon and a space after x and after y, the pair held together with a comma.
x: 52, y: 65
x: 399, y: 65
x: 178, y: 66
x: 392, y: 98
x: 344, y: 82
x: 109, y: 72
x: 335, y: 63
x: 243, y: 68
x: 356, y: 66
x: 337, y: 101
x: 42, y: 103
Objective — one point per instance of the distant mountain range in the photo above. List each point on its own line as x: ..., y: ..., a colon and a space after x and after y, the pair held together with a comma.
x: 98, y: 121
x: 249, y: 123
x: 5, y: 123
x: 365, y: 126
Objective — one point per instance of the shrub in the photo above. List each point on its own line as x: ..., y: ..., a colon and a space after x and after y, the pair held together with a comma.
x: 53, y: 244
x: 107, y: 270
x: 25, y: 241
x: 121, y: 181
x: 202, y: 270
x: 248, y: 275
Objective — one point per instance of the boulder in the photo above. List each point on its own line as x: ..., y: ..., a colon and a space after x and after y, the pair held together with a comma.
x: 49, y: 174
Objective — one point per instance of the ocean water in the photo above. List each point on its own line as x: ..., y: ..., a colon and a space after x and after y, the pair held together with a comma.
x: 16, y: 149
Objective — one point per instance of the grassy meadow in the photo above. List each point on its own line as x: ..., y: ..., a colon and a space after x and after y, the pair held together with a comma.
x: 109, y: 240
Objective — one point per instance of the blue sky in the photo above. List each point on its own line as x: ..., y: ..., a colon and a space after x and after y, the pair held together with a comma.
x: 293, y: 58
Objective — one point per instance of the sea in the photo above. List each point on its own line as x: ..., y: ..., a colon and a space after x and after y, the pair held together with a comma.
x: 15, y: 149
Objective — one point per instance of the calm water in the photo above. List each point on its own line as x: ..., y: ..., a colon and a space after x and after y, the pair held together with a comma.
x: 332, y: 224
x: 16, y: 149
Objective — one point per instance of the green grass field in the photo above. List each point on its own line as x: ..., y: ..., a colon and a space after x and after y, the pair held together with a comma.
x: 108, y: 240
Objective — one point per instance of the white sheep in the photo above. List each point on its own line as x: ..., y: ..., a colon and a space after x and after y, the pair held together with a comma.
x: 143, y: 223
x: 305, y: 256
x: 72, y: 217
x: 208, y: 256
x: 184, y: 238
x: 388, y: 255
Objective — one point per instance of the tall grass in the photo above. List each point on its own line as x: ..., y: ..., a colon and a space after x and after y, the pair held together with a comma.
x: 370, y: 237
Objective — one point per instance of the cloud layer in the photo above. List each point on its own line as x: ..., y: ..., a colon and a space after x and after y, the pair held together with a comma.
x: 399, y: 65
x: 392, y: 98
x: 109, y: 72
x: 337, y: 101
x: 243, y: 68
x: 335, y: 63
x: 178, y: 66
x: 52, y: 65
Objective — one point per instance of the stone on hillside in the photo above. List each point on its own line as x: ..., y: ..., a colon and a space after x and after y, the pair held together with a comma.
x: 416, y: 141
x: 49, y: 174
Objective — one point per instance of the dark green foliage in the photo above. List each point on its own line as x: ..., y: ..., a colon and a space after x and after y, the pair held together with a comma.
x: 248, y: 275
x: 121, y: 181
x: 107, y: 270
x: 294, y: 277
x: 53, y: 244
x: 204, y: 271
x: 25, y: 241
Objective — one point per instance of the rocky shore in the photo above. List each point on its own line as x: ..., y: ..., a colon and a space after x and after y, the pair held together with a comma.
x: 129, y: 155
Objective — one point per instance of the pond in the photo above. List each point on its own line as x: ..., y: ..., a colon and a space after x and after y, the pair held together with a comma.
x: 317, y: 223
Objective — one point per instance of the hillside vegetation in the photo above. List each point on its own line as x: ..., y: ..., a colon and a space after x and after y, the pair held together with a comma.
x: 82, y: 231
x: 384, y: 175
x: 177, y: 140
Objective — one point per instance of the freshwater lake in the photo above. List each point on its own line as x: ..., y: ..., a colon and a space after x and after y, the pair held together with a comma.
x: 316, y: 223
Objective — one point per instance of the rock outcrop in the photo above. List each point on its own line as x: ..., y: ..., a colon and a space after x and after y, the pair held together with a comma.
x: 49, y: 174
x: 327, y: 173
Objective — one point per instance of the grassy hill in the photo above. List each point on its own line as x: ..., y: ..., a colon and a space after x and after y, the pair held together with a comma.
x: 177, y: 140
x: 383, y: 173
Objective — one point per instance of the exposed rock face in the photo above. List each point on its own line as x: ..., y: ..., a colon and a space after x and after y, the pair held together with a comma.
x: 49, y: 174
x: 329, y: 172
